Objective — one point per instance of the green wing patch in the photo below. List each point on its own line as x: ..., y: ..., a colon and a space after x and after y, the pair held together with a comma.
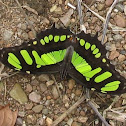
x: 26, y: 57
x: 112, y: 86
x: 43, y: 60
x: 13, y: 60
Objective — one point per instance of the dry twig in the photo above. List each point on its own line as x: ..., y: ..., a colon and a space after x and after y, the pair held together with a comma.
x: 114, y: 27
x: 30, y: 9
x: 117, y: 116
x: 110, y: 107
x: 94, y: 108
x: 107, y: 20
x: 82, y: 27
x: 58, y: 120
x: 114, y: 113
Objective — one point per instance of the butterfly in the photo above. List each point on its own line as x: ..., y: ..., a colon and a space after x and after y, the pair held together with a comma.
x: 80, y: 56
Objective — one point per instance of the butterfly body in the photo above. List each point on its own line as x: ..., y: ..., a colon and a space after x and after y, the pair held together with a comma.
x: 60, y: 51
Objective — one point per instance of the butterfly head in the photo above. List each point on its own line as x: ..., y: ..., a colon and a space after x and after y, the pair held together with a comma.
x: 73, y: 39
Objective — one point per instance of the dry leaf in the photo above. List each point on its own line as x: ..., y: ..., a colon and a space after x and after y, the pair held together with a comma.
x: 7, y: 117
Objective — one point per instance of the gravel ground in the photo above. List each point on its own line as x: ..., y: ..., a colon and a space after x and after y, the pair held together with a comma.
x: 37, y: 98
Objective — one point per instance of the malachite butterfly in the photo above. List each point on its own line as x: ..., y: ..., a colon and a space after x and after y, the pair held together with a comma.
x: 80, y: 56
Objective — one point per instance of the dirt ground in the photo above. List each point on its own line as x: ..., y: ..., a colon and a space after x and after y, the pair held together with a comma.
x: 42, y: 102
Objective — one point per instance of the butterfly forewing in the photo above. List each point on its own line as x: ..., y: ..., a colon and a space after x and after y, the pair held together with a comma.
x: 39, y: 55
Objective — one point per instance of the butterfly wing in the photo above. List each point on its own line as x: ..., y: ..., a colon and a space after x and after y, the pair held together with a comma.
x: 91, y: 68
x: 42, y: 54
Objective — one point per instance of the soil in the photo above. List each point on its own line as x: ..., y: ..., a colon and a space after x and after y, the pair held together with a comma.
x: 13, y: 22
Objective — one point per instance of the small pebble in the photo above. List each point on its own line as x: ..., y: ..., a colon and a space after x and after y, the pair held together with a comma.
x: 123, y: 96
x: 28, y: 88
x: 121, y: 57
x: 75, y: 124
x: 108, y: 2
x: 41, y: 122
x: 67, y: 105
x: 21, y: 113
x: 113, y: 47
x: 120, y: 21
x: 65, y: 99
x: 23, y: 26
x: 88, y: 1
x: 24, y: 35
x: 29, y: 106
x: 1, y: 42
x: 71, y: 84
x: 34, y: 82
x: 120, y: 7
x: 37, y: 108
x: 53, y: 8
x: 47, y: 103
x: 82, y: 113
x: 49, y: 83
x: 118, y: 104
x: 55, y: 92
x: 117, y: 37
x: 45, y: 21
x: 58, y: 10
x: 45, y: 111
x: 100, y: 6
x: 94, y: 19
x: 18, y: 94
x: 82, y: 119
x: 49, y: 121
x: 43, y: 77
x: 30, y: 119
x: 34, y: 97
x: 43, y: 87
x: 7, y: 35
x: 49, y: 97
x: 96, y: 121
x: 124, y: 62
x: 19, y: 121
x: 123, y: 52
x: 124, y: 102
x: 70, y: 121
x: 31, y: 35
x: 113, y: 55
x: 124, y: 46
x: 78, y: 92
